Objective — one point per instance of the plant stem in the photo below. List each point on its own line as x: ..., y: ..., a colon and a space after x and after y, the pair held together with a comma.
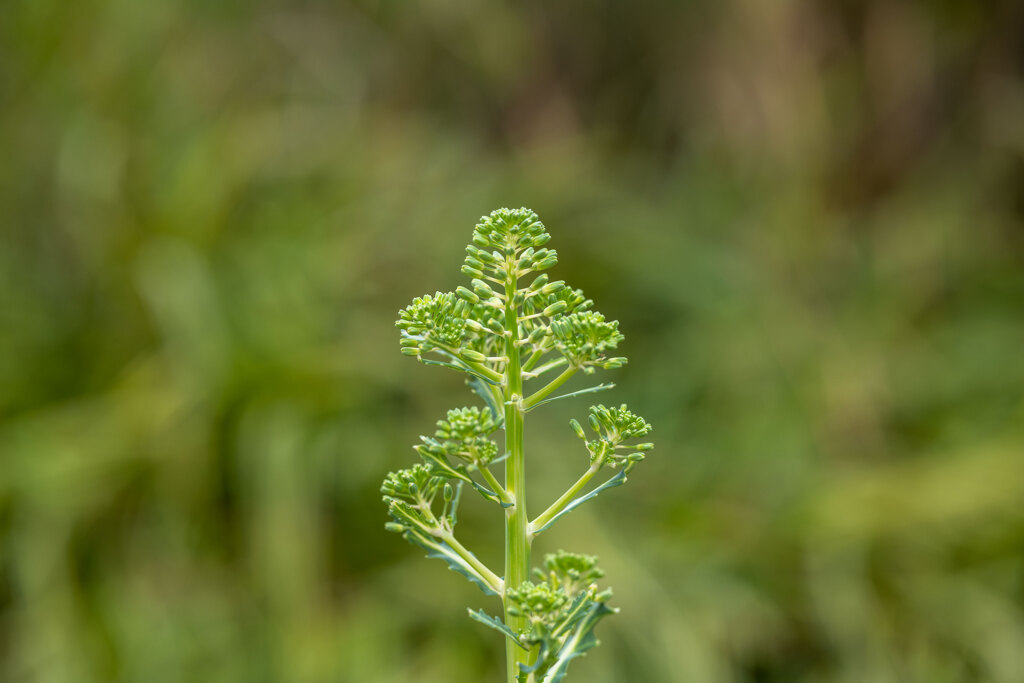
x: 493, y: 483
x: 564, y: 499
x: 492, y: 579
x: 517, y: 544
x: 552, y: 385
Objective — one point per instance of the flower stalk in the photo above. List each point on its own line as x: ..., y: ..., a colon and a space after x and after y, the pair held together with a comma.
x: 501, y: 338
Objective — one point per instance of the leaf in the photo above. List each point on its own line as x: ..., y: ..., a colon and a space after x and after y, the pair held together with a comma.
x: 618, y: 480
x: 479, y: 387
x: 437, y: 548
x: 591, y: 390
x: 490, y: 495
x: 579, y: 641
x: 497, y: 624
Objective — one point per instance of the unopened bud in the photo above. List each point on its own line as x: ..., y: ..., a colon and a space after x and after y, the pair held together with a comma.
x: 553, y: 287
x: 644, y: 446
x: 539, y: 282
x: 474, y: 263
x: 594, y: 424
x: 448, y: 492
x: 578, y: 429
x: 394, y: 527
x: 482, y: 289
x: 635, y: 457
x: 470, y: 271
x: 472, y: 356
x: 467, y: 295
x: 410, y: 351
x: 555, y: 308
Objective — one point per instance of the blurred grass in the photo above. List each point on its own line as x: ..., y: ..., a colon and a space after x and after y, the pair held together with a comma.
x: 807, y: 216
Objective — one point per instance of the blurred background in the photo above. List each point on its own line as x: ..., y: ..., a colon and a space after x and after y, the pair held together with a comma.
x: 808, y: 217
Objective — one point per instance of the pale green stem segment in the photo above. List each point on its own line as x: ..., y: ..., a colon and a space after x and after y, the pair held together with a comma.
x: 566, y: 498
x: 551, y: 386
x: 492, y: 579
x: 517, y: 542
x: 495, y: 486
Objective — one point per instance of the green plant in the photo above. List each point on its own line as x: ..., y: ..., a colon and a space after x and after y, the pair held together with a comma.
x: 502, y: 336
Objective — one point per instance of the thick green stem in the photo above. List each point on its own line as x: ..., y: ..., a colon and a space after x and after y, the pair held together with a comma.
x: 517, y: 543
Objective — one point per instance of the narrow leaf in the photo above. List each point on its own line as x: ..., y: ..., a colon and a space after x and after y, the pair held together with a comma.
x: 495, y: 623
x: 437, y: 548
x: 579, y: 641
x: 591, y: 390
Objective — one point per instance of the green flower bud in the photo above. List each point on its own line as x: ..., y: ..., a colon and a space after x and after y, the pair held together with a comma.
x: 449, y: 492
x: 594, y: 424
x: 467, y: 295
x: 554, y: 309
x: 553, y: 287
x: 472, y: 356
x: 474, y: 263
x: 410, y: 351
x: 482, y: 289
x: 539, y: 282
x: 578, y: 429
x: 394, y: 527
x: 644, y: 446
x: 470, y: 271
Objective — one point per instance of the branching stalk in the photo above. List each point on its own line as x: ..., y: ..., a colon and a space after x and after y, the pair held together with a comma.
x: 547, y: 624
x: 545, y: 517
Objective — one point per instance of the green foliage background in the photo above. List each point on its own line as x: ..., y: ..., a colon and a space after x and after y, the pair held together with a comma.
x: 809, y: 218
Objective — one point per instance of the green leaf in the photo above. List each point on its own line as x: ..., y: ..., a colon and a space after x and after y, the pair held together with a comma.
x: 437, y: 548
x: 591, y: 390
x: 497, y: 624
x: 579, y: 641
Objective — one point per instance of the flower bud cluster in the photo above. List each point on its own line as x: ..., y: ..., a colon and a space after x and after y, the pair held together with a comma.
x: 417, y: 483
x: 614, y: 426
x: 509, y: 230
x: 508, y: 244
x: 428, y: 320
x: 553, y: 604
x: 464, y: 435
x: 584, y: 337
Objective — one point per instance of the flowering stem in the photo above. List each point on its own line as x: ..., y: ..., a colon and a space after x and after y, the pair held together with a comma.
x: 517, y: 543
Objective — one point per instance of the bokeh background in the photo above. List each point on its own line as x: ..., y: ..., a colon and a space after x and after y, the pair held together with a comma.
x: 808, y: 217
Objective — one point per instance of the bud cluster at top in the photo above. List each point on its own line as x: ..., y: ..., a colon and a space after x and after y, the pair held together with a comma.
x: 508, y: 244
